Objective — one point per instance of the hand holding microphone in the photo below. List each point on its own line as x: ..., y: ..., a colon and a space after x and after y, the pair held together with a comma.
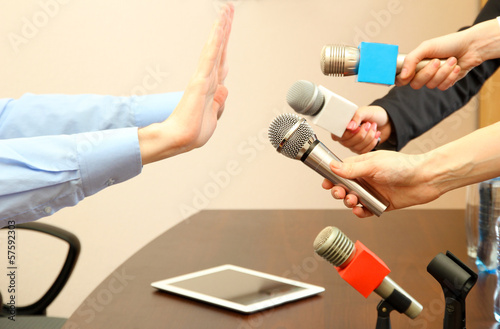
x: 325, y: 108
x: 371, y: 62
x: 465, y: 50
x: 358, y: 129
x: 292, y: 136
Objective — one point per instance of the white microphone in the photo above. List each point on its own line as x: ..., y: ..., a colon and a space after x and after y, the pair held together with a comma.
x: 292, y: 136
x: 350, y: 259
x: 325, y: 108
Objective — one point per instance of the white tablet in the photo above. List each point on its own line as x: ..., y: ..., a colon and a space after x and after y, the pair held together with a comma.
x: 238, y: 288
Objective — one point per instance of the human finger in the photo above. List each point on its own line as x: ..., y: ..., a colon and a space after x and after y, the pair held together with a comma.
x: 370, y: 140
x: 338, y: 192
x: 442, y: 74
x: 409, y: 70
x: 220, y: 97
x: 350, y: 200
x: 372, y: 143
x: 225, y: 26
x: 353, y: 167
x: 453, y: 77
x: 327, y: 184
x: 350, y: 130
x: 353, y: 138
x: 211, y: 52
x: 364, y: 140
x: 361, y: 212
x: 223, y: 69
x: 423, y: 76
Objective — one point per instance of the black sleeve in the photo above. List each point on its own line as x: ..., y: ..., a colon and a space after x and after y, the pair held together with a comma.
x: 413, y: 112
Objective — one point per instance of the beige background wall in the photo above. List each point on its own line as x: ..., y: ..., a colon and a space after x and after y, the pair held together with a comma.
x: 152, y: 46
x: 489, y: 99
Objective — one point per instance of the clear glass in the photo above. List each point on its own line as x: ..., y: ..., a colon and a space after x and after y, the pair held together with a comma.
x: 489, y: 211
x: 472, y: 219
x: 496, y: 303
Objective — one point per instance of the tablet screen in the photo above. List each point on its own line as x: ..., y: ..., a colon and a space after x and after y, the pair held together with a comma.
x: 238, y: 288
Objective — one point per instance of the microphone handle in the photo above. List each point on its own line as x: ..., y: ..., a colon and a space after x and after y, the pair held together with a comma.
x: 421, y: 65
x: 318, y: 157
x: 398, y: 298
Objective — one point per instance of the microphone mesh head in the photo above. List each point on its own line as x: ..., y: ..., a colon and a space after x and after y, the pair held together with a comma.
x: 280, y: 127
x: 322, y: 237
x: 305, y: 97
x: 334, y: 246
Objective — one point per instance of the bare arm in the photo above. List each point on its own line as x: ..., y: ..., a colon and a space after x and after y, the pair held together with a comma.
x: 195, y: 118
x: 407, y: 180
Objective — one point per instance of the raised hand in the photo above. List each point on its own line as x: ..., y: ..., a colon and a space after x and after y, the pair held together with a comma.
x: 194, y: 119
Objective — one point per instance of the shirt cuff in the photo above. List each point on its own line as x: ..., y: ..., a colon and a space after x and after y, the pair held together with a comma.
x: 108, y: 157
x: 155, y: 108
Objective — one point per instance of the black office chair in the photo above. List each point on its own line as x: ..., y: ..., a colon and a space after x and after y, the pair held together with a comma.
x: 34, y: 315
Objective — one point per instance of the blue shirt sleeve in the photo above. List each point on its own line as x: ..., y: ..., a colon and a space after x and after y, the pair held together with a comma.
x: 42, y: 115
x: 41, y: 175
x: 55, y: 150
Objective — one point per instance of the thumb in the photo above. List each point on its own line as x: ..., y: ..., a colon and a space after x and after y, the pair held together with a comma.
x: 355, y: 122
x: 220, y: 97
x: 411, y: 61
x: 409, y: 67
x: 361, y: 114
x: 351, y: 170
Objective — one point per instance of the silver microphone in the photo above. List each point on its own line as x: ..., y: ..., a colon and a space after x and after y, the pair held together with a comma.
x: 292, y: 136
x: 335, y: 247
x: 325, y: 108
x: 339, y: 60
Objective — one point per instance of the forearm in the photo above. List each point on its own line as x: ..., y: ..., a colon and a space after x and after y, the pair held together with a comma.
x: 432, y: 105
x: 166, y: 139
x: 41, y: 115
x: 156, y: 143
x: 484, y: 39
x: 471, y: 159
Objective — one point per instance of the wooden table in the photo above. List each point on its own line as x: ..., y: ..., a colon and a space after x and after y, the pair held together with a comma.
x: 280, y: 242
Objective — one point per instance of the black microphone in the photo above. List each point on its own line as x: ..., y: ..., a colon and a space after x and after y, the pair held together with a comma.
x: 350, y: 259
x: 292, y: 136
x: 325, y: 108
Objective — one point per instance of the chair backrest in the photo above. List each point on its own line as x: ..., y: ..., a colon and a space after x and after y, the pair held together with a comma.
x: 39, y: 307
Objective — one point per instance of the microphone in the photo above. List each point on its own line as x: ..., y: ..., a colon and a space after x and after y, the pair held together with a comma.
x: 325, y: 108
x: 363, y: 270
x: 371, y: 62
x: 292, y: 136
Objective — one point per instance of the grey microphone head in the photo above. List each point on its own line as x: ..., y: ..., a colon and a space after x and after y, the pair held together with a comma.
x: 289, y: 134
x: 339, y: 60
x: 305, y: 97
x: 334, y: 246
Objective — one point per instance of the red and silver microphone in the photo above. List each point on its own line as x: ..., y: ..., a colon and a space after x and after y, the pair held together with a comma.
x: 363, y: 270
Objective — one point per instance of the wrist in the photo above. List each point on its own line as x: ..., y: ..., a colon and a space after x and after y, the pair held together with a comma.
x: 485, y: 39
x: 447, y: 171
x: 163, y: 140
x: 156, y: 144
x: 148, y: 145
